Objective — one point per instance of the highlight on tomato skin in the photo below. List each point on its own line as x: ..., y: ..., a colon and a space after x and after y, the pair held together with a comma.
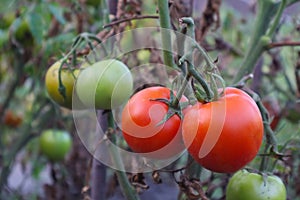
x: 225, y: 135
x: 140, y: 119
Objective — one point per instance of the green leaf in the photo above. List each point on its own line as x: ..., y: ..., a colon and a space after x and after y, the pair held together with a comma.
x: 57, y: 12
x: 36, y: 25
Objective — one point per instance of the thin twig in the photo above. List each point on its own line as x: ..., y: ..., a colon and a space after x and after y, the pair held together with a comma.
x: 283, y: 44
x: 131, y: 18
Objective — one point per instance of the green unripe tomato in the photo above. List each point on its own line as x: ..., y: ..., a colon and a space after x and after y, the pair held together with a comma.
x: 23, y: 34
x: 144, y: 56
x: 104, y: 85
x: 55, y: 144
x: 6, y: 20
x: 252, y: 186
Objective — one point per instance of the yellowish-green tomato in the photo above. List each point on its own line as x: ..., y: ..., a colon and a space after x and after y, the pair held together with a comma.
x: 52, y: 84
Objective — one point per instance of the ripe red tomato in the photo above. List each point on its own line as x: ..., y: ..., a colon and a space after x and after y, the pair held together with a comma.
x: 141, y: 129
x: 225, y: 135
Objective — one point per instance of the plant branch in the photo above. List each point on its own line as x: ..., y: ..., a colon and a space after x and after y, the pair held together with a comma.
x: 18, y: 68
x: 277, y: 19
x: 266, y: 11
x: 164, y: 17
x: 283, y: 44
x: 21, y: 142
x: 127, y: 190
x: 131, y: 18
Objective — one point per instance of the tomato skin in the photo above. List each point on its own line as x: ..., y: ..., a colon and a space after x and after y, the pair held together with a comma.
x: 249, y: 186
x: 140, y: 119
x: 105, y: 84
x: 225, y: 135
x: 12, y: 120
x: 52, y: 84
x: 55, y: 144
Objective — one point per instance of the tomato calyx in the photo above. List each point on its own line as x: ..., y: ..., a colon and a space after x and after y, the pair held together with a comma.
x: 172, y: 110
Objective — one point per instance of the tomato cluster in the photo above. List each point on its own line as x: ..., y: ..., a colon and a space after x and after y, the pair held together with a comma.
x: 222, y: 135
x: 103, y: 85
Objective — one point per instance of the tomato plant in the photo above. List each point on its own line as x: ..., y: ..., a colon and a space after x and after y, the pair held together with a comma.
x: 248, y: 186
x: 224, y: 135
x: 105, y: 84
x: 142, y: 128
x: 55, y: 144
x: 68, y: 81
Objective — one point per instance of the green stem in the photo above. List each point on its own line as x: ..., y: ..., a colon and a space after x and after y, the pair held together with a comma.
x: 270, y: 136
x: 277, y: 18
x: 265, y: 159
x: 181, y: 91
x: 200, y: 79
x: 164, y: 17
x: 127, y: 189
x: 266, y: 11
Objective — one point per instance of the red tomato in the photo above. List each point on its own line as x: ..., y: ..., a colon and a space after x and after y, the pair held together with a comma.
x: 141, y: 129
x: 225, y: 135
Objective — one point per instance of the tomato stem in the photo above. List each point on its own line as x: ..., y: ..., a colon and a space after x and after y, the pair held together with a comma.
x: 181, y: 90
x: 267, y: 9
x: 61, y: 87
x: 201, y: 80
x: 277, y: 18
x: 271, y: 141
x: 164, y: 17
x: 127, y: 189
x: 211, y: 70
